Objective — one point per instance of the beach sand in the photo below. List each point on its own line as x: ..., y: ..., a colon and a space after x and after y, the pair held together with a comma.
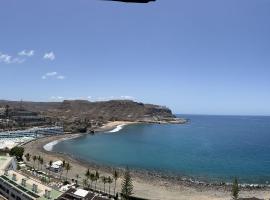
x: 146, y: 186
x: 110, y: 126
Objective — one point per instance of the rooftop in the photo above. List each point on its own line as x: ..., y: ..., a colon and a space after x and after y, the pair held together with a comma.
x: 27, y: 188
x: 4, y: 163
x: 80, y: 194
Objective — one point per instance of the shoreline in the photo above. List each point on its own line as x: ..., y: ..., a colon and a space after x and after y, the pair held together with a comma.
x: 113, y: 125
x: 49, y: 147
x: 163, y: 187
x: 169, y: 176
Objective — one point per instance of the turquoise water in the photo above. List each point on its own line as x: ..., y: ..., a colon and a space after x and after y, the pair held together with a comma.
x: 214, y: 148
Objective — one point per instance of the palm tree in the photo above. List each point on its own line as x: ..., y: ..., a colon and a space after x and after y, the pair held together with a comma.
x: 109, y: 180
x: 41, y: 162
x: 34, y: 159
x: 27, y: 156
x: 50, y: 164
x: 63, y: 166
x: 38, y: 158
x: 96, y: 179
x: 115, y: 177
x: 67, y: 167
x: 87, y: 174
x: 92, y: 178
x: 49, y: 169
x: 104, y: 181
x: 77, y: 178
x: 85, y: 182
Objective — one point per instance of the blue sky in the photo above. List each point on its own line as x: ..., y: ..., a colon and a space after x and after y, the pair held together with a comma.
x: 200, y: 57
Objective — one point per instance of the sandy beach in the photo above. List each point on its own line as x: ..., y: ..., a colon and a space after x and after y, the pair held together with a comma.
x: 146, y: 185
x: 114, y: 126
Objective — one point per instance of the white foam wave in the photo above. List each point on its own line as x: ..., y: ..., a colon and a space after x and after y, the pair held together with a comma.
x: 118, y: 128
x: 49, y: 146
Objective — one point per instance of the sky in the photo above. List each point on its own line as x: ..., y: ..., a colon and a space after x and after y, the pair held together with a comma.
x: 194, y: 56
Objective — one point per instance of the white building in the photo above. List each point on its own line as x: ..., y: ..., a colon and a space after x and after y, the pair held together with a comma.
x: 56, y: 166
x: 16, y: 186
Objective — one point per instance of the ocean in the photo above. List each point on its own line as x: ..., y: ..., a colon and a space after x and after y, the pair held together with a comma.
x: 208, y: 148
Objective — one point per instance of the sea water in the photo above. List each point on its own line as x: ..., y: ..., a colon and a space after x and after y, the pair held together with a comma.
x: 213, y: 148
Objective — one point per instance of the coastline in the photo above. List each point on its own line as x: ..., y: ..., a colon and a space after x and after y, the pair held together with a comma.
x: 114, y: 125
x: 49, y: 146
x: 147, y: 184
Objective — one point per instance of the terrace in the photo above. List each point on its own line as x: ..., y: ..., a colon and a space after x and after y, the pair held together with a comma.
x: 5, y: 163
x: 28, y: 186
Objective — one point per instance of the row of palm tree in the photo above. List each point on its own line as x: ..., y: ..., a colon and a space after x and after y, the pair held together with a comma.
x: 66, y: 166
x: 34, y: 159
x: 91, y: 177
x: 106, y: 180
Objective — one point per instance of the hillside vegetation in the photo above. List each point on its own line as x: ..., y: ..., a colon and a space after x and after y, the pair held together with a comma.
x: 91, y: 114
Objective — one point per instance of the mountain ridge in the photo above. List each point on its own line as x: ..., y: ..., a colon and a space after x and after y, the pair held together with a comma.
x: 88, y: 114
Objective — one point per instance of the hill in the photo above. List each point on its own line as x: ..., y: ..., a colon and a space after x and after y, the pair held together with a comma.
x: 90, y: 114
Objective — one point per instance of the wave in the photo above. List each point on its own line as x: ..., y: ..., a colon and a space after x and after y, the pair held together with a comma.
x: 49, y: 146
x: 118, y: 128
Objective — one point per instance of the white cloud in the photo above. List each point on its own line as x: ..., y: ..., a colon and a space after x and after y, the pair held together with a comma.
x: 26, y: 53
x: 49, y: 56
x: 57, y: 98
x: 128, y: 97
x: 60, y: 77
x: 123, y: 97
x: 53, y: 75
x: 61, y: 98
x: 7, y: 59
